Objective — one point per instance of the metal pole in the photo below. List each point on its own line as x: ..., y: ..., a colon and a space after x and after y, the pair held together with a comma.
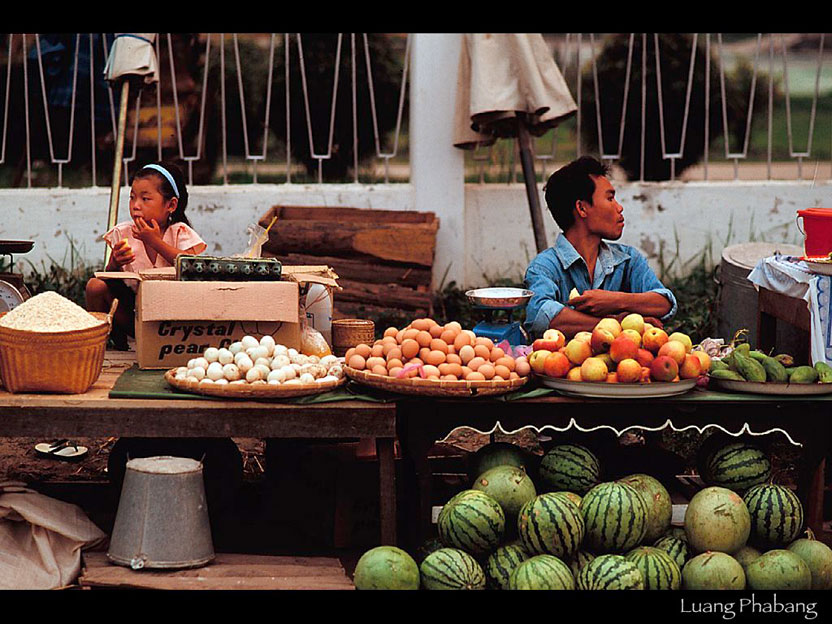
x: 527, y: 161
x: 117, y: 162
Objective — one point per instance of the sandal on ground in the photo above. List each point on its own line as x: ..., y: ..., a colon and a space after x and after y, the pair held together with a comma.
x: 65, y: 450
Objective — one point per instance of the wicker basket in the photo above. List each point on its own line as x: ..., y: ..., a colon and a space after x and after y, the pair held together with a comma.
x: 347, y: 333
x: 417, y: 386
x: 66, y: 362
x: 252, y: 391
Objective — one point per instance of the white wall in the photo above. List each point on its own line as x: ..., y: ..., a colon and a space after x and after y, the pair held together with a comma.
x: 497, y: 240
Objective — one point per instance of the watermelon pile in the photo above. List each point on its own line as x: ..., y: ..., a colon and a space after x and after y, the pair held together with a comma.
x: 559, y: 525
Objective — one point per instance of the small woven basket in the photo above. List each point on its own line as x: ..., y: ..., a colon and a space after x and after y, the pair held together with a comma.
x: 66, y: 362
x: 347, y: 333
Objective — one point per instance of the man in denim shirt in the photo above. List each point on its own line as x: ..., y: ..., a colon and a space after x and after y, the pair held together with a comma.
x: 612, y: 279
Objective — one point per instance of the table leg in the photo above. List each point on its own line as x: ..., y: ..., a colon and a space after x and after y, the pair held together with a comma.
x: 385, y: 448
x: 416, y: 442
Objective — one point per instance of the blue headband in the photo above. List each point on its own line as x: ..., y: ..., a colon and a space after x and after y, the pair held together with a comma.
x: 167, y: 175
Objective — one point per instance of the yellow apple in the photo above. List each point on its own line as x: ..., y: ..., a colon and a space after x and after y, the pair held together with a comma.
x: 610, y: 324
x: 632, y: 335
x: 607, y: 360
x: 574, y: 374
x: 683, y: 338
x: 536, y: 360
x: 577, y: 351
x: 593, y: 369
x: 704, y: 360
x: 629, y: 371
x: 584, y: 336
x: 653, y: 339
x: 633, y: 321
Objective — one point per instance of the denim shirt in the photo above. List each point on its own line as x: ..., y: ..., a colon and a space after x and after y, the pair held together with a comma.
x: 554, y: 272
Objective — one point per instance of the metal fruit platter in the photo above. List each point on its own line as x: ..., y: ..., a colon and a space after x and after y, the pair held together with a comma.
x: 591, y: 389
x: 499, y: 298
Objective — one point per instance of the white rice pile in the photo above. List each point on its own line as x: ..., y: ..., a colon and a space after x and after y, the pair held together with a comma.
x: 48, y: 312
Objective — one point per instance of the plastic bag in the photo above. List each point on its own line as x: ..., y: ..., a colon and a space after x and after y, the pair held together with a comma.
x: 312, y: 342
x: 256, y: 237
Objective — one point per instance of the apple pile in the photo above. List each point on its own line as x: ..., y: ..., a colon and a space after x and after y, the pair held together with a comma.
x: 437, y: 352
x: 632, y: 351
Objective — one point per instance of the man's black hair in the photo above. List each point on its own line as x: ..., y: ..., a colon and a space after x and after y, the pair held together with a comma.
x: 569, y: 184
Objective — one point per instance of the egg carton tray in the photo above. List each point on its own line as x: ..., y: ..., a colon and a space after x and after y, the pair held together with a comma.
x: 429, y: 387
x: 252, y: 391
x: 191, y: 268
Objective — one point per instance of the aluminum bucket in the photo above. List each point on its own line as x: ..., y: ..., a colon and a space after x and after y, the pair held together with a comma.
x: 162, y: 518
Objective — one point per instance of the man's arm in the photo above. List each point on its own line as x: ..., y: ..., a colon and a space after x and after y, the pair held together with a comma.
x: 602, y: 303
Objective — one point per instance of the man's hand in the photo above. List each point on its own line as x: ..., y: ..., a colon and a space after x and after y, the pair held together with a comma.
x: 148, y: 233
x: 597, y: 302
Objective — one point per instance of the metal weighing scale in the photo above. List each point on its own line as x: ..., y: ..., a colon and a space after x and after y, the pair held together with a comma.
x: 493, y: 300
x: 13, y: 291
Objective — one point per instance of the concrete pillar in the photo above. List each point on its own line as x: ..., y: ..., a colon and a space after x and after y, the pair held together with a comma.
x: 437, y: 168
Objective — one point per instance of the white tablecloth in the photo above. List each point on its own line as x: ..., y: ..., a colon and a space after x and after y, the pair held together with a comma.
x: 789, y: 275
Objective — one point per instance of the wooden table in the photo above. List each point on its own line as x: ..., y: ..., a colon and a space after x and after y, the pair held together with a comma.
x: 95, y: 414
x: 422, y: 422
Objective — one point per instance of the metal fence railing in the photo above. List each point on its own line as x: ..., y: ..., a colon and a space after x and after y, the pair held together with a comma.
x: 297, y: 107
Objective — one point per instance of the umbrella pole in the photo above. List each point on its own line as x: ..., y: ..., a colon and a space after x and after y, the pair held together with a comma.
x: 117, y: 163
x: 527, y: 161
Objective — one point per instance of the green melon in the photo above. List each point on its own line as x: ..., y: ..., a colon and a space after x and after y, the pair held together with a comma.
x: 675, y: 547
x: 451, y: 568
x: 818, y: 556
x: 746, y: 555
x: 778, y: 569
x: 551, y: 525
x: 542, y: 572
x: 499, y: 454
x: 578, y: 561
x: 570, y: 467
x: 510, y: 486
x: 657, y: 567
x: 502, y: 562
x: 776, y: 515
x: 472, y: 521
x: 713, y: 570
x: 659, y: 506
x: 738, y: 466
x: 386, y: 567
x: 615, y: 516
x: 610, y: 572
x: 718, y: 520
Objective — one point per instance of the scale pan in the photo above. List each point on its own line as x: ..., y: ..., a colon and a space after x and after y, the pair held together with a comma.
x: 499, y: 298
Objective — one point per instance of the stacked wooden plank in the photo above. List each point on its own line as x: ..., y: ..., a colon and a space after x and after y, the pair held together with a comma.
x: 227, y: 571
x: 383, y: 258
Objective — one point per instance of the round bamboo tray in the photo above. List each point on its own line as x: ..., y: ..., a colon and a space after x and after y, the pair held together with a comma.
x: 347, y: 333
x: 66, y: 362
x: 443, y: 388
x: 252, y: 391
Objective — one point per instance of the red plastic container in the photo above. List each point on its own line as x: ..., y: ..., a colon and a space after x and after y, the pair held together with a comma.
x: 817, y: 231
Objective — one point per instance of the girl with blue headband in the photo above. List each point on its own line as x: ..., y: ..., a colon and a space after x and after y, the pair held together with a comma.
x: 157, y: 232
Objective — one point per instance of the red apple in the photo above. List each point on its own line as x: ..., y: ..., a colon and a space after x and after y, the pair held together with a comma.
x: 556, y: 365
x: 653, y: 339
x: 601, y: 340
x: 691, y: 367
x: 644, y: 357
x: 629, y: 371
x: 664, y: 368
x: 623, y: 348
x: 674, y: 349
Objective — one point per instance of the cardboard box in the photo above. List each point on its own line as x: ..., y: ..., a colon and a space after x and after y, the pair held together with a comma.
x: 176, y: 321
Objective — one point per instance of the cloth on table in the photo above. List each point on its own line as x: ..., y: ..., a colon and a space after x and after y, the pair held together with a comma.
x: 41, y: 539
x: 791, y: 276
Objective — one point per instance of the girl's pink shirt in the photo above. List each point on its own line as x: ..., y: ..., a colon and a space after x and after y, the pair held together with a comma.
x: 177, y: 235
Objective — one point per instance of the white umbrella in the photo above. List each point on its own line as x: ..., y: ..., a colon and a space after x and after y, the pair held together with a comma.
x: 132, y: 59
x: 508, y: 85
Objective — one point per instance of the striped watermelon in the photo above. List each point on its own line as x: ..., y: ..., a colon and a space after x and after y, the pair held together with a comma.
x: 659, y: 506
x: 778, y: 569
x: 738, y: 467
x: 615, y: 515
x: 551, y: 524
x: 570, y: 467
x: 713, y: 570
x: 510, y: 486
x: 499, y: 454
x: 610, y: 572
x: 578, y: 561
x: 575, y: 498
x: 776, y: 515
x: 717, y: 519
x: 676, y: 547
x: 502, y: 562
x: 677, y: 531
x: 657, y: 567
x: 472, y: 521
x: 451, y: 568
x: 542, y: 572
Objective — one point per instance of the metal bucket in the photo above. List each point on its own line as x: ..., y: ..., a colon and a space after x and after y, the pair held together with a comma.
x: 737, y: 306
x: 162, y: 518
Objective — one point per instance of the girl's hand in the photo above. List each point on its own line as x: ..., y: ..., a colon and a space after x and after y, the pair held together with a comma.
x: 122, y: 253
x: 148, y: 232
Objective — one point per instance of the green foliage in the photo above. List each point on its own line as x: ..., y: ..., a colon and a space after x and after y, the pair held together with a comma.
x: 68, y: 277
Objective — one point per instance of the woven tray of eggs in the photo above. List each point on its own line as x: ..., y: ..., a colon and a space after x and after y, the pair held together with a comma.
x: 430, y: 359
x: 253, y: 368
